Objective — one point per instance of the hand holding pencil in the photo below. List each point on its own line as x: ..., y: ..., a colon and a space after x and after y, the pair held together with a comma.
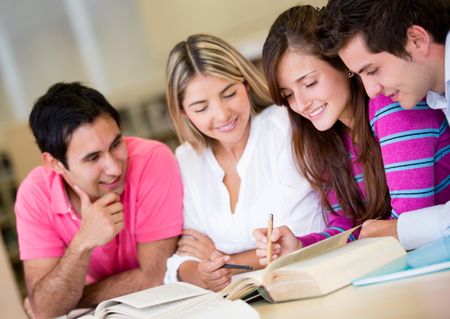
x: 212, y: 273
x: 272, y: 243
x: 215, y: 272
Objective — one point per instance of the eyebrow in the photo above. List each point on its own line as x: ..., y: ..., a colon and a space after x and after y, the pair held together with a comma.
x: 364, y: 67
x: 116, y: 139
x: 304, y: 76
x: 220, y: 93
x: 89, y: 155
x: 300, y: 78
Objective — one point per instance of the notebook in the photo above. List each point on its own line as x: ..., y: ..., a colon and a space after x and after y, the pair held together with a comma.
x: 429, y: 258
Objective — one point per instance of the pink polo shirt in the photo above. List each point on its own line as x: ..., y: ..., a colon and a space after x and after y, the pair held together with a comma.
x: 152, y: 200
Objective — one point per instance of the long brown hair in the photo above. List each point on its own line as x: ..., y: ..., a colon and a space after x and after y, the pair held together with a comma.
x: 321, y: 156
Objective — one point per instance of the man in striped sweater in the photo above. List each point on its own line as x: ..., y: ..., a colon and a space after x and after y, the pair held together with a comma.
x: 401, y: 49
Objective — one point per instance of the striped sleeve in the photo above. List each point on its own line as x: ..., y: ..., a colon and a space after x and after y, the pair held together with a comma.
x: 415, y: 146
x: 337, y: 223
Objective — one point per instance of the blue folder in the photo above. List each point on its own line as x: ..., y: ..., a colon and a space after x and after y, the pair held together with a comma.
x: 429, y: 258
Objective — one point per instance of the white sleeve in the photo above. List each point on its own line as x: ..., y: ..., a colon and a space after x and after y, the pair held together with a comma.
x: 422, y: 226
x: 191, y: 218
x: 173, y: 263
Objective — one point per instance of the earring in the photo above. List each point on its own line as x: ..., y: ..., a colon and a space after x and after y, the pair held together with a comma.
x: 350, y: 74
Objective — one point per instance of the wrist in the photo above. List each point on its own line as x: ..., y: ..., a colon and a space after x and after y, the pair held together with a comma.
x: 394, y: 231
x: 299, y: 244
x: 188, y: 272
x: 185, y: 270
x: 80, y: 246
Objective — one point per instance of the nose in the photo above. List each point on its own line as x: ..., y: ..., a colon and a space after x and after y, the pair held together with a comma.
x: 222, y: 111
x: 301, y: 103
x: 112, y: 165
x: 373, y: 88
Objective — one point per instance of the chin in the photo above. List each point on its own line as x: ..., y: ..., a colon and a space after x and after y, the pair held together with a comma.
x: 322, y: 127
x: 409, y: 101
x: 407, y: 105
x: 119, y: 190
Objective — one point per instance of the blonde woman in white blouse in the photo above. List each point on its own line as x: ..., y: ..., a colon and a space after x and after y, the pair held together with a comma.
x: 236, y: 162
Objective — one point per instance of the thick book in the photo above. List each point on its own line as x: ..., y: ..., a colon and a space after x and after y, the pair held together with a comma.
x: 176, y: 300
x: 316, y: 270
x: 427, y: 259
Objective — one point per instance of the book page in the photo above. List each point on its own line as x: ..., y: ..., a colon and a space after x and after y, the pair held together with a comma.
x: 242, y: 285
x: 155, y: 296
x: 256, y: 275
x: 84, y: 313
x: 332, y: 270
x: 164, y: 310
x: 222, y: 309
x: 311, y: 251
x: 161, y: 294
x: 246, y: 283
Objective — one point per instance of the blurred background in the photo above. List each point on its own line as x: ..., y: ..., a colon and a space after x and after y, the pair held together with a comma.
x: 119, y: 47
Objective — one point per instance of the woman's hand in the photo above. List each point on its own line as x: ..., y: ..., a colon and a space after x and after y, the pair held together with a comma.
x: 212, y: 274
x: 196, y: 244
x: 283, y: 242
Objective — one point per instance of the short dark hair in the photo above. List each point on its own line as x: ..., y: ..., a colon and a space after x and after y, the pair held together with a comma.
x: 61, y: 110
x: 383, y: 24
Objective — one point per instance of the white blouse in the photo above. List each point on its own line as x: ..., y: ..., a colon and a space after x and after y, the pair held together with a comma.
x: 270, y: 183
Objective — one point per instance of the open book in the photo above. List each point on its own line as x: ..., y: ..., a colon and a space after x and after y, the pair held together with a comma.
x: 176, y: 300
x: 316, y: 270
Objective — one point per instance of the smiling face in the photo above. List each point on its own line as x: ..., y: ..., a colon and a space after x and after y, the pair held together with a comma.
x: 403, y: 80
x: 96, y: 159
x: 218, y: 108
x: 314, y: 89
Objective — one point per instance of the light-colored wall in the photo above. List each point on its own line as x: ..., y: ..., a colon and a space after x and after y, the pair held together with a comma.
x: 40, y: 43
x: 244, y: 24
x: 10, y: 301
x: 119, y: 47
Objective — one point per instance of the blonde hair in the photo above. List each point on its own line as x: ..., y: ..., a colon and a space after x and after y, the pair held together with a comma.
x: 208, y: 55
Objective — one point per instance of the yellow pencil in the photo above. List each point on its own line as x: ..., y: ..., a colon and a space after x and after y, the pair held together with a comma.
x: 269, y: 235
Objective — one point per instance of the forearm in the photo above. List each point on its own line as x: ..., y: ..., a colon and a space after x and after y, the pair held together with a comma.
x: 66, y: 280
x: 379, y: 228
x: 152, y: 259
x: 246, y: 258
x: 337, y: 224
x: 119, y: 284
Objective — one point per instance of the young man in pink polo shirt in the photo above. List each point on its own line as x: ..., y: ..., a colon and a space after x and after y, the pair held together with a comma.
x: 102, y: 216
